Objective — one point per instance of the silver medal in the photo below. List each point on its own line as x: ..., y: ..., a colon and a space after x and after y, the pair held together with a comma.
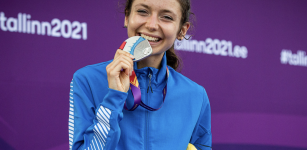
x: 141, y: 49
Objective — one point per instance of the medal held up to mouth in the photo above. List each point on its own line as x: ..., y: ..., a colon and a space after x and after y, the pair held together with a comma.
x: 137, y: 46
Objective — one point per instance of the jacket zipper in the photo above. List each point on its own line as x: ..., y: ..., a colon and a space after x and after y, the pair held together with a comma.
x: 146, y: 112
x: 149, y: 84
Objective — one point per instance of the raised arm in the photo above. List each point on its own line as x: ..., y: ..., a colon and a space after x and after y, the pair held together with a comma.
x: 96, y: 126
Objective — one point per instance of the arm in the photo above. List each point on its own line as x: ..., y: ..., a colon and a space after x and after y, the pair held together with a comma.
x: 97, y: 127
x: 202, y: 137
x: 92, y: 127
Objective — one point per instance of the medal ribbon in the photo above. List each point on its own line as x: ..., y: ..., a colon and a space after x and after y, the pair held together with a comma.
x: 136, y: 91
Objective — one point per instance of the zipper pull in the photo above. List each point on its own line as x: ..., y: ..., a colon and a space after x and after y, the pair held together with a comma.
x: 149, y: 84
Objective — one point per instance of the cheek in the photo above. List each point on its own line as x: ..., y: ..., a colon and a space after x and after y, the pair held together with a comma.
x: 170, y: 33
x: 170, y: 37
x: 131, y: 29
x: 134, y: 23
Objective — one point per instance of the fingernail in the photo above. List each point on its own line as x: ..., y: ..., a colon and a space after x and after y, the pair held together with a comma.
x: 132, y: 56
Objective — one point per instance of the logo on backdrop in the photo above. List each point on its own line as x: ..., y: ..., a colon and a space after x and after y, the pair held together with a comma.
x: 55, y: 28
x: 212, y: 46
x: 298, y: 59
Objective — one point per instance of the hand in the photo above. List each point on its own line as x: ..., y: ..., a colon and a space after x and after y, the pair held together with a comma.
x: 119, y: 71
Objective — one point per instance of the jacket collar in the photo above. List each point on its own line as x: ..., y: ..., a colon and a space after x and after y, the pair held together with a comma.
x: 158, y: 75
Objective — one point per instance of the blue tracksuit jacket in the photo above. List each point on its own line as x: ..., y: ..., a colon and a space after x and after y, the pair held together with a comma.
x: 98, y: 121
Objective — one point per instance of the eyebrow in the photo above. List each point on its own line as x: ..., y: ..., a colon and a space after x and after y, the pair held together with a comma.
x: 163, y: 10
x: 168, y: 11
x: 144, y: 5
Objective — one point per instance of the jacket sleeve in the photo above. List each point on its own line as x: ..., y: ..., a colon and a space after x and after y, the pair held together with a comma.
x: 202, y: 137
x: 93, y: 127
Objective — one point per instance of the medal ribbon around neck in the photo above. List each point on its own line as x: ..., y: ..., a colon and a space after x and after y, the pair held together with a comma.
x: 136, y: 91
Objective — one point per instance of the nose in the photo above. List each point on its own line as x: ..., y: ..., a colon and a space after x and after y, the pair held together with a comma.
x: 152, y: 23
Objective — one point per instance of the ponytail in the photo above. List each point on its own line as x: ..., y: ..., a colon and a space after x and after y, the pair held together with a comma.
x: 173, y: 60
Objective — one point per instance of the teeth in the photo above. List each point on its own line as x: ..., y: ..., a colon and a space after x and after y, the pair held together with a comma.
x: 149, y: 38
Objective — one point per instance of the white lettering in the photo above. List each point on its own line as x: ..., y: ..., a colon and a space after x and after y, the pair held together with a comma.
x: 209, y: 46
x: 19, y: 22
x: 28, y: 24
x: 299, y: 59
x: 193, y: 45
x: 24, y: 22
x: 2, y: 21
x: 36, y: 24
x: 66, y: 33
x: 76, y: 30
x: 244, y: 52
x: 11, y: 24
x: 236, y: 51
x: 230, y: 53
x: 216, y: 47
x: 223, y: 48
x: 46, y: 27
x: 84, y: 30
x: 56, y: 28
x: 201, y: 46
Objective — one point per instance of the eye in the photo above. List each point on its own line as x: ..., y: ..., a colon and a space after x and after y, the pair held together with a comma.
x: 168, y: 17
x: 141, y: 11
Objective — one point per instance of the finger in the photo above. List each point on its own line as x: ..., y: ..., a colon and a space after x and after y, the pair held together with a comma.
x: 116, y: 70
x: 120, y: 52
x: 122, y: 65
x: 127, y: 59
x: 120, y: 61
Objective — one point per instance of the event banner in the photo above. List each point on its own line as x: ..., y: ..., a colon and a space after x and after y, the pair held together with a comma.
x: 250, y: 56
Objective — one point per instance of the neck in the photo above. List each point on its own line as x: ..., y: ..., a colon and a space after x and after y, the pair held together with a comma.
x: 151, y: 61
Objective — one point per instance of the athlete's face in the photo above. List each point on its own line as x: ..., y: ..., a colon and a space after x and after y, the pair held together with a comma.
x: 158, y: 21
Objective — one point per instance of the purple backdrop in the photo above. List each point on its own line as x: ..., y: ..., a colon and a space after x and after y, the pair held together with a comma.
x: 249, y: 55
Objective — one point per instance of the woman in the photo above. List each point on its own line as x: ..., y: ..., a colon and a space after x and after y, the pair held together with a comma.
x: 97, y: 119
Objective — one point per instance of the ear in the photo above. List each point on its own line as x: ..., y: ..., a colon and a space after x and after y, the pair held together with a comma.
x: 184, y: 29
x: 126, y: 21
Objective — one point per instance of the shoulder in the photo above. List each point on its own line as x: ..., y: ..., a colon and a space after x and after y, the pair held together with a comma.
x: 92, y: 79
x: 89, y: 71
x: 183, y: 80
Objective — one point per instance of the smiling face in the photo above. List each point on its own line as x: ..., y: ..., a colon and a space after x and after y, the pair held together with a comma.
x: 158, y: 21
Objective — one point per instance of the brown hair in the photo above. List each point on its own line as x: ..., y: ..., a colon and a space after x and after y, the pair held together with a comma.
x: 173, y: 59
